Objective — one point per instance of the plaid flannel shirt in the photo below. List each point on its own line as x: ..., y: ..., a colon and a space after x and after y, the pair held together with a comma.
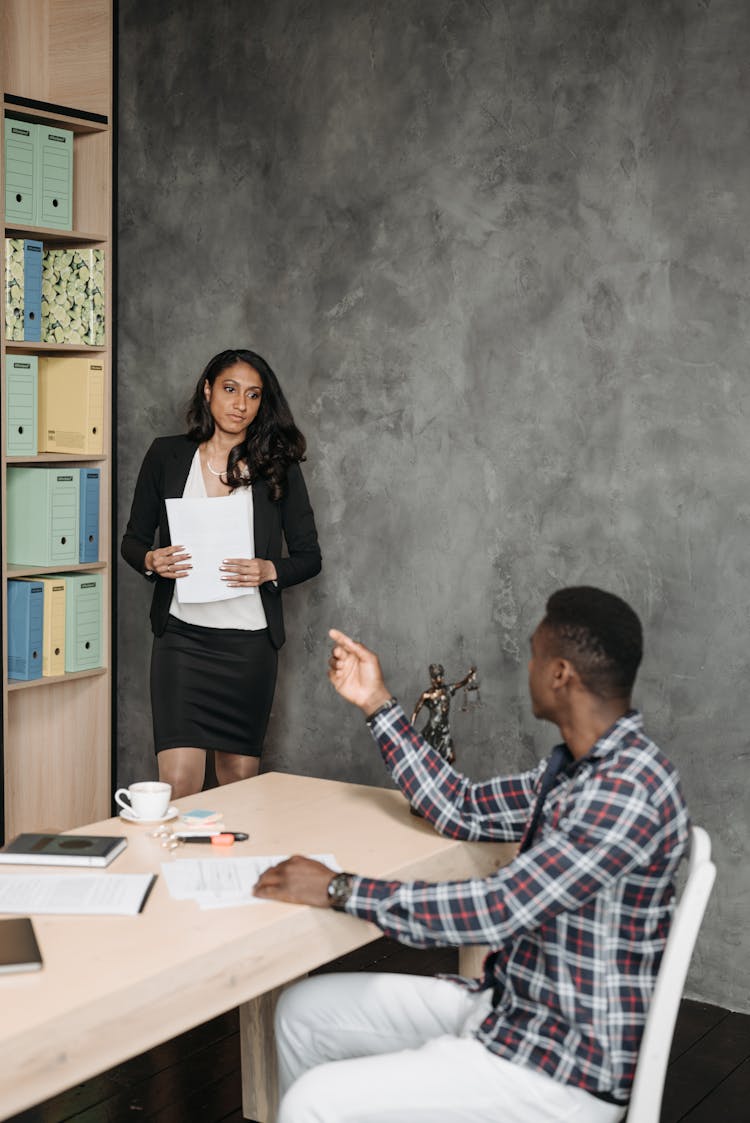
x: 577, y: 923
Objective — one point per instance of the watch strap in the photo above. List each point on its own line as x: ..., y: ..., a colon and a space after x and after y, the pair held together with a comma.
x: 387, y: 705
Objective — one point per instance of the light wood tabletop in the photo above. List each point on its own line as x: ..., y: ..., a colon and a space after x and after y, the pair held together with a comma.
x: 112, y: 987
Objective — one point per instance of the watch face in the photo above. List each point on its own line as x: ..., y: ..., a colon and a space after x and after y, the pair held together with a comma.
x: 339, y: 889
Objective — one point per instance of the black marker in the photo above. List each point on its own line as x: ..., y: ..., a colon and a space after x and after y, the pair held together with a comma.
x: 222, y: 838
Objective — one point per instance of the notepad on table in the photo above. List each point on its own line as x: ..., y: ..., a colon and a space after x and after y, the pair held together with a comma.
x: 62, y: 849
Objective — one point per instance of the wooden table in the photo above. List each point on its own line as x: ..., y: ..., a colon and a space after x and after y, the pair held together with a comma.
x: 113, y: 987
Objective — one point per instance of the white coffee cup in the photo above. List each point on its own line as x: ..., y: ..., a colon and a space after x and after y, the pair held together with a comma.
x: 146, y: 800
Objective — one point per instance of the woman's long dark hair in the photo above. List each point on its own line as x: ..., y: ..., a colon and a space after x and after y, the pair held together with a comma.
x: 272, y: 442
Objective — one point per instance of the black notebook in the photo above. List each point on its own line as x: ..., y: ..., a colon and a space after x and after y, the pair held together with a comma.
x: 19, y: 950
x: 62, y: 849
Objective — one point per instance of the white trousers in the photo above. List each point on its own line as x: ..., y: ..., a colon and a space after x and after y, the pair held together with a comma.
x: 376, y: 1048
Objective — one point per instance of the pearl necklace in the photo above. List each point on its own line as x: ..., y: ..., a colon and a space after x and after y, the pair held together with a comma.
x: 211, y: 468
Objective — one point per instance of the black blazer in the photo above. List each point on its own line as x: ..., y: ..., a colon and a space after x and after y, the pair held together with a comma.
x: 163, y: 475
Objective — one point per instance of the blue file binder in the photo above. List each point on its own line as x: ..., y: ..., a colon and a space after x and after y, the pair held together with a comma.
x: 88, y: 546
x: 32, y: 291
x: 25, y: 629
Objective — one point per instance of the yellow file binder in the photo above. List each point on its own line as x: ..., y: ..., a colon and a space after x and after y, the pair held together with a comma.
x: 71, y: 404
x: 53, y: 636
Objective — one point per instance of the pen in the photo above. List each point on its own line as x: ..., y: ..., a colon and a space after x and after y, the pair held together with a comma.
x: 209, y: 832
x: 216, y: 838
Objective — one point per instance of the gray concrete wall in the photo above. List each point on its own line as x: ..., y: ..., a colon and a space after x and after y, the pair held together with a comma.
x: 496, y: 252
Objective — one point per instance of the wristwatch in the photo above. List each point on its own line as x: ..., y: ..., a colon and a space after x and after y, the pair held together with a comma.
x: 340, y: 890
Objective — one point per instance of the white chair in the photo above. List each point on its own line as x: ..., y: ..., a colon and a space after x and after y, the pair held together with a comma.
x: 648, y: 1086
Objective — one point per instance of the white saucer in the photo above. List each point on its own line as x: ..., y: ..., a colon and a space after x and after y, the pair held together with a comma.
x: 129, y: 817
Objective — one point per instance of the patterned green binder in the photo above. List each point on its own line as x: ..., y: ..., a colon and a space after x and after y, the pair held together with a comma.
x: 14, y: 294
x: 73, y: 296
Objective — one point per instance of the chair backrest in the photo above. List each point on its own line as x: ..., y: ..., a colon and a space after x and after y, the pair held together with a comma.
x: 648, y: 1086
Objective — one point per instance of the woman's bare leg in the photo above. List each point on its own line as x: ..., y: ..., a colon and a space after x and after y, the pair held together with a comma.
x: 184, y: 769
x: 231, y: 766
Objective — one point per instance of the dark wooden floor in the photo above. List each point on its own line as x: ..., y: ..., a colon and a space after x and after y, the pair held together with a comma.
x: 195, y: 1078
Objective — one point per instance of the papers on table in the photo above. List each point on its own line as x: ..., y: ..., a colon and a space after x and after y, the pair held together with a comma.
x: 210, y: 530
x: 217, y: 883
x: 111, y: 894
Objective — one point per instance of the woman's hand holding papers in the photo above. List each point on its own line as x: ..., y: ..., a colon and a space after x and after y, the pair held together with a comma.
x: 169, y: 561
x: 355, y: 673
x: 247, y: 572
x: 298, y: 880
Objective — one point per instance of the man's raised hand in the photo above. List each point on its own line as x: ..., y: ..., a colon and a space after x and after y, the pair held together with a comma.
x: 355, y: 673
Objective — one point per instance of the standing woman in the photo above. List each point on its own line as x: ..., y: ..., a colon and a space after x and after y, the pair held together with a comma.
x: 213, y: 666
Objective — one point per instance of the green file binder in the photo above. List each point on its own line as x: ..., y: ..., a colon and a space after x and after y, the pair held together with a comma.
x: 43, y: 515
x: 21, y: 180
x: 83, y: 621
x: 55, y: 190
x: 38, y: 175
x: 21, y: 405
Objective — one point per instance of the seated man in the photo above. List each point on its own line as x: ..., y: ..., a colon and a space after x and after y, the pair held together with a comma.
x: 577, y: 922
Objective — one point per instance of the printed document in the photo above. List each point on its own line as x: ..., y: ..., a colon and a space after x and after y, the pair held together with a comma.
x: 210, y: 530
x: 110, y: 894
x: 222, y: 881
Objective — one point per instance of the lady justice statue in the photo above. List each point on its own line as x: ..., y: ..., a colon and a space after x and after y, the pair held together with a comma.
x: 437, y: 699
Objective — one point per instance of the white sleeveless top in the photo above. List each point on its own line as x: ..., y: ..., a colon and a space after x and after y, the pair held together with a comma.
x: 245, y: 613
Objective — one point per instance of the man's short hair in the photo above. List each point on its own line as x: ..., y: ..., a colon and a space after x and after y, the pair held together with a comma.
x: 601, y: 636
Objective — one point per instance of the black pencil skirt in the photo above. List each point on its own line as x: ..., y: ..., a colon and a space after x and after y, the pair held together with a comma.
x: 212, y: 688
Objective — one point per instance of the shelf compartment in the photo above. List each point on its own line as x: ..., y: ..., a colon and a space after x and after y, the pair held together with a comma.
x: 45, y: 113
x: 50, y: 236
x: 26, y: 347
x: 12, y: 570
x: 14, y: 685
x: 58, y: 458
x: 57, y: 763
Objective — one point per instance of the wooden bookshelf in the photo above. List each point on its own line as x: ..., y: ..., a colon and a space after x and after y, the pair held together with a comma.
x: 56, y: 67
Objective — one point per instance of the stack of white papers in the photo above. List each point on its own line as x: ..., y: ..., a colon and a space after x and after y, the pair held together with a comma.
x: 90, y: 894
x: 211, y: 531
x: 217, y: 883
